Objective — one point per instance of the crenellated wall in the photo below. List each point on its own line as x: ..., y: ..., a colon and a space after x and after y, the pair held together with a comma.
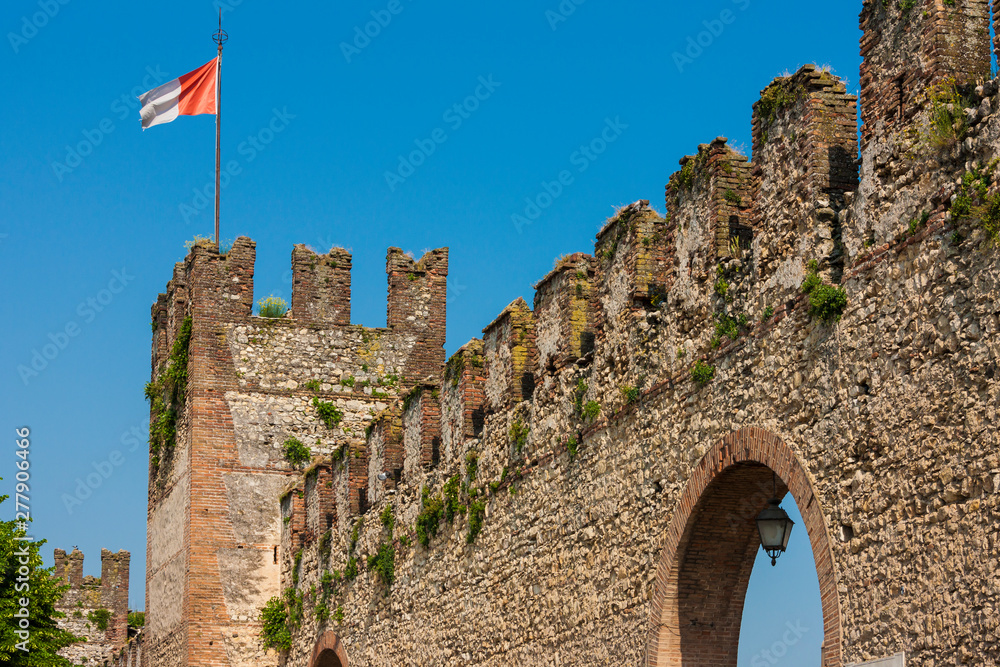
x: 580, y: 486
x: 907, y: 47
x: 859, y: 413
x: 804, y: 164
x: 249, y: 387
x: 92, y: 601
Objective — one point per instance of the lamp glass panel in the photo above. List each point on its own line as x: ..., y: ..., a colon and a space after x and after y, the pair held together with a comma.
x: 771, y: 533
x: 788, y: 532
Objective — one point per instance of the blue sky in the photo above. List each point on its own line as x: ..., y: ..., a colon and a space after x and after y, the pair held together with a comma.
x: 92, y: 210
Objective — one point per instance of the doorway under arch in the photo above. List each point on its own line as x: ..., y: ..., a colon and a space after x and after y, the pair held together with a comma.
x: 711, y: 546
x: 329, y: 652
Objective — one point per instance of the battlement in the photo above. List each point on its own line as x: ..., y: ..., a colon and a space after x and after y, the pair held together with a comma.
x: 907, y: 47
x: 94, y: 607
x: 587, y: 427
x: 805, y: 161
x: 566, y: 313
x: 808, y: 118
x: 222, y: 286
x: 321, y: 286
x: 421, y: 427
x: 510, y: 356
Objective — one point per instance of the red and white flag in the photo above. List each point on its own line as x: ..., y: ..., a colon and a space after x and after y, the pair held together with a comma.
x: 189, y: 95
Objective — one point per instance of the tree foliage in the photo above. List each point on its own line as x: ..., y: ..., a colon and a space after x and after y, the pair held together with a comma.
x: 25, y: 584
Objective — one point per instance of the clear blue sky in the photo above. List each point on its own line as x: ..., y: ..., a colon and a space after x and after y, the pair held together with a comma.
x: 68, y: 222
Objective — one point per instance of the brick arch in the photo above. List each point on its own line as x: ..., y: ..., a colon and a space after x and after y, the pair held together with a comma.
x: 710, y: 547
x: 329, y: 652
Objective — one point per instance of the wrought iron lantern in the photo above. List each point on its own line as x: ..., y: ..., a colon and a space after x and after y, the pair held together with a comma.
x: 775, y: 528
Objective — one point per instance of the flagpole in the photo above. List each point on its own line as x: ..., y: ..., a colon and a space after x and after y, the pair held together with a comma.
x: 219, y: 38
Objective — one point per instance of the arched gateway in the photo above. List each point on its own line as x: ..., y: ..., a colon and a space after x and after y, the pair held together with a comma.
x: 711, y: 544
x: 329, y: 652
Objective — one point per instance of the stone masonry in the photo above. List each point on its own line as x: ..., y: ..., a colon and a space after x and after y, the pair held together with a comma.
x: 91, y: 603
x: 580, y: 485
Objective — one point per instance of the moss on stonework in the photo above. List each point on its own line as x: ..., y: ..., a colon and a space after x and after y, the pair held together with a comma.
x: 777, y: 97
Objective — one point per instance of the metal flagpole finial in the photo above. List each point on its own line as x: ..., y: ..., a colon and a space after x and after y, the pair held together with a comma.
x: 221, y: 36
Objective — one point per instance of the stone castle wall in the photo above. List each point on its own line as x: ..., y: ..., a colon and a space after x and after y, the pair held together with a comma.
x: 88, y: 599
x: 252, y: 385
x: 616, y: 493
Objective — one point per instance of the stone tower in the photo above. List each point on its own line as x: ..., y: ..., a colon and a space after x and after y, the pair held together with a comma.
x: 223, y: 405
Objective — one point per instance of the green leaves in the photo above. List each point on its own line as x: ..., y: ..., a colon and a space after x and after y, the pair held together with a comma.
x: 295, y: 452
x: 43, y: 636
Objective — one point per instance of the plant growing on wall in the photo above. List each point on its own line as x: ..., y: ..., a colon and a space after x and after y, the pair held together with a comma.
x: 452, y: 504
x: 729, y: 327
x: 200, y: 242
x: 453, y: 368
x: 578, y: 393
x: 295, y: 452
x: 431, y: 509
x: 339, y: 454
x: 272, y: 307
x: 328, y: 413
x: 388, y: 519
x: 591, y: 410
x: 351, y: 569
x: 947, y: 124
x: 100, y: 618
x: 471, y: 465
x: 274, y: 631
x: 293, y: 602
x: 166, y: 396
x: 572, y: 447
x: 383, y: 563
x: 295, y: 567
x: 477, y: 513
x: 324, y: 546
x: 518, y: 435
x: 702, y: 373
x: 356, y: 533
x: 826, y: 302
x: 629, y: 393
x: 412, y: 397
x: 974, y: 200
